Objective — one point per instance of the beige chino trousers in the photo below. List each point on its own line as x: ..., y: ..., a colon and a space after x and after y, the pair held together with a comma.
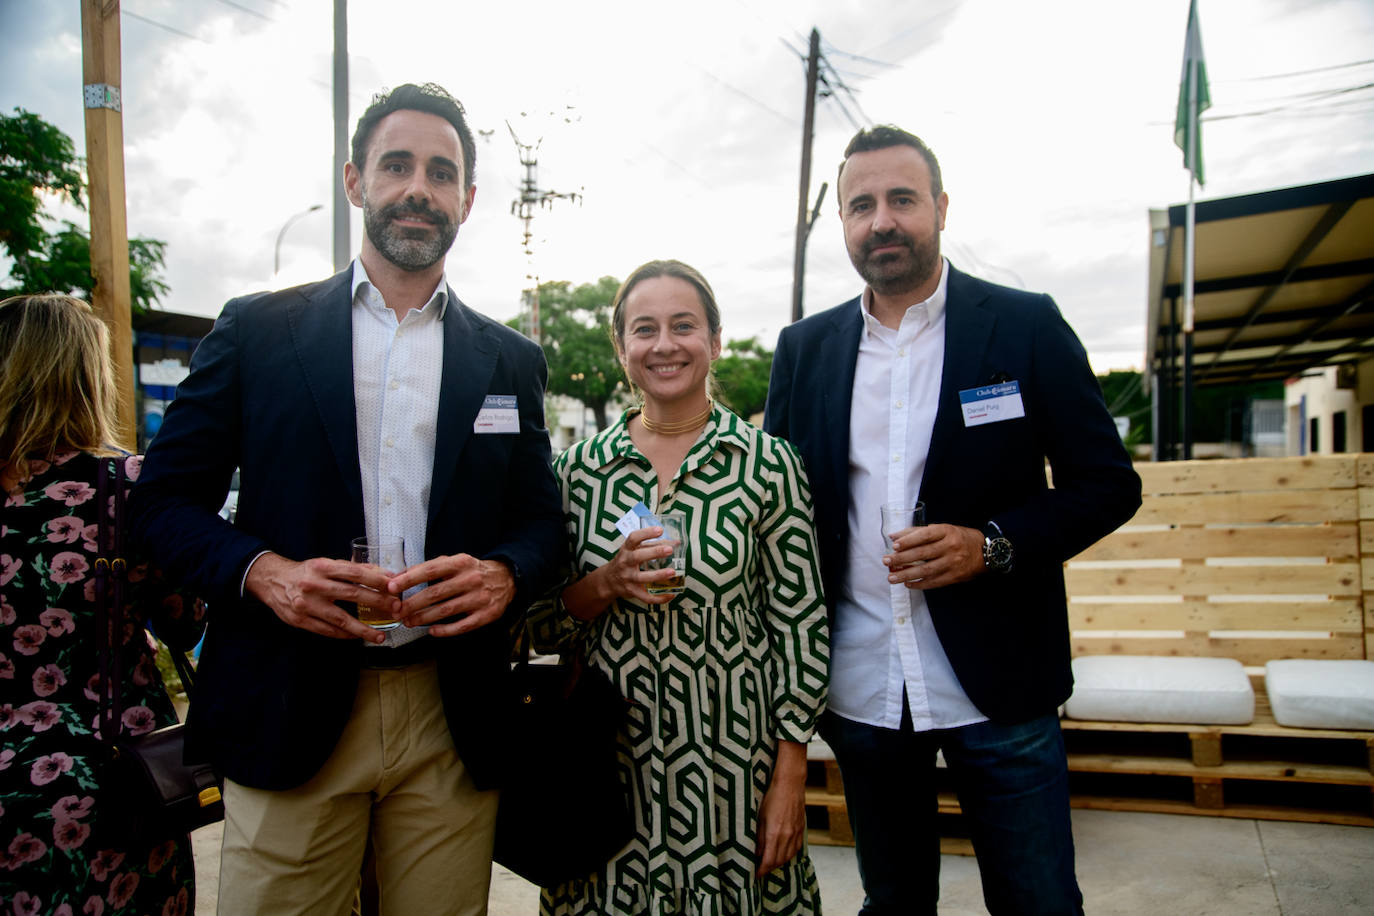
x: 394, y: 772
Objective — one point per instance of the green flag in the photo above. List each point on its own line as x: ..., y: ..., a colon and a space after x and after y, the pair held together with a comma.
x: 1192, y: 87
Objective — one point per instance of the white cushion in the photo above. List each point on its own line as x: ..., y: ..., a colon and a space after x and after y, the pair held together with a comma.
x: 1321, y: 693
x: 1146, y: 688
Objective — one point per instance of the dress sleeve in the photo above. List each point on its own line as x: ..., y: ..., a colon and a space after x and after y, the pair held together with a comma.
x: 794, y: 611
x: 551, y: 626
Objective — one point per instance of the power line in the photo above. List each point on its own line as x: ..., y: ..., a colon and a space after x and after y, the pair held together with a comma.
x: 252, y: 12
x: 1279, y: 76
x: 162, y: 25
x: 923, y: 23
x: 1283, y: 108
x: 764, y: 105
x: 1310, y: 94
x: 847, y: 91
x: 867, y: 60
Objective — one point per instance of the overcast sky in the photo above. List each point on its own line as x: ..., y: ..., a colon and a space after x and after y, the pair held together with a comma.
x: 680, y: 127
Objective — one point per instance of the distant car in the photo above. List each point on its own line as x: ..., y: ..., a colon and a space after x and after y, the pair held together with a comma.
x: 231, y: 503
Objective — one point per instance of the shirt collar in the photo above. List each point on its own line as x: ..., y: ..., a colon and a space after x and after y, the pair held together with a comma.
x: 438, y: 298
x: 934, y: 306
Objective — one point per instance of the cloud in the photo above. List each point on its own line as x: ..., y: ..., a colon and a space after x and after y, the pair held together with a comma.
x: 680, y: 131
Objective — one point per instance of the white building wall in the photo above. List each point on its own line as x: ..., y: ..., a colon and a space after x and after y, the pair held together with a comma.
x: 1317, y: 406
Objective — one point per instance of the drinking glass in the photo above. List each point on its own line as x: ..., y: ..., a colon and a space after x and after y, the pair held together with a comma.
x: 674, y: 525
x: 897, y: 517
x: 387, y: 554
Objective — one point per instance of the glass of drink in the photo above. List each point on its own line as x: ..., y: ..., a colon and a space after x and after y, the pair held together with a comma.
x: 387, y: 554
x: 674, y: 525
x: 897, y: 517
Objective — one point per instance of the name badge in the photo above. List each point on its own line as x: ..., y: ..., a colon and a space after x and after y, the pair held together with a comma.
x: 630, y: 520
x: 992, y: 403
x: 498, y: 415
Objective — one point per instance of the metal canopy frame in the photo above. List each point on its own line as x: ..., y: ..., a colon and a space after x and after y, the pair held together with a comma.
x: 1284, y: 282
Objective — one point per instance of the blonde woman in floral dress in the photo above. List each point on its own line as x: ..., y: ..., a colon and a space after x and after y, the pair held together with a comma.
x: 726, y: 680
x: 58, y: 855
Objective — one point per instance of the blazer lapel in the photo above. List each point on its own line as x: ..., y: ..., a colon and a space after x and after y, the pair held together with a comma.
x: 321, y: 322
x: 968, y: 329
x: 842, y: 352
x: 470, y: 354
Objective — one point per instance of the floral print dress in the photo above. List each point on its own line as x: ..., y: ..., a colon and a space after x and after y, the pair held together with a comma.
x: 56, y: 854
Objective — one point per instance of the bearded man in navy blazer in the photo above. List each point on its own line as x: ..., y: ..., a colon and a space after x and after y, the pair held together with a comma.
x: 936, y: 386
x: 374, y: 403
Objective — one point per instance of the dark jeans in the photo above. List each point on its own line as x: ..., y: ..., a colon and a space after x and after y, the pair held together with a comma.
x: 1012, y: 782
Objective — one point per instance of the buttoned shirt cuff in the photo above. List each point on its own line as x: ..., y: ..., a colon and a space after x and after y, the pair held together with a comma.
x: 243, y: 583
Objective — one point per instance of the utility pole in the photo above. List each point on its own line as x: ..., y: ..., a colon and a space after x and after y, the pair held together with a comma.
x: 523, y: 207
x: 813, y: 61
x: 343, y: 211
x: 100, y: 73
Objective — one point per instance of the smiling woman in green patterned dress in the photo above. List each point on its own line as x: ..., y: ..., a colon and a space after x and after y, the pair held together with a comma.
x: 725, y: 680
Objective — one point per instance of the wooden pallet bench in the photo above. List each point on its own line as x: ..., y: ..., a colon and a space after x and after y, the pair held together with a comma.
x: 1252, y: 559
x: 1263, y: 770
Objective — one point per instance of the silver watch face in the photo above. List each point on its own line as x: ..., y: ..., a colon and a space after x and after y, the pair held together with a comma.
x: 997, y: 553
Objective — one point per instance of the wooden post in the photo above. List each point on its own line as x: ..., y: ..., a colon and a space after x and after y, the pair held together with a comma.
x: 105, y: 176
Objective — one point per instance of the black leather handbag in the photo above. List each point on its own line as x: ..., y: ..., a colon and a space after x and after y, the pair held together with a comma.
x: 148, y: 789
x: 564, y: 809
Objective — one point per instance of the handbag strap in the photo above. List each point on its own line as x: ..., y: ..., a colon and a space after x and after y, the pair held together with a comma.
x: 573, y: 657
x: 112, y: 577
x: 110, y: 572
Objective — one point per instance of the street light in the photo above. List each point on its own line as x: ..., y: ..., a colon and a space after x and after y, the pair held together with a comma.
x: 276, y: 257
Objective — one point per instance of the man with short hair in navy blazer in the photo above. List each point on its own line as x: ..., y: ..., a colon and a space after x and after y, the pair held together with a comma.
x: 374, y: 403
x: 937, y: 386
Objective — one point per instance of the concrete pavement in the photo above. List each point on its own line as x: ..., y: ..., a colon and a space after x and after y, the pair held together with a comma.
x: 1129, y: 864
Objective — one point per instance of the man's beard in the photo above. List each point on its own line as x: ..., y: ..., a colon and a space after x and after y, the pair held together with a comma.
x: 896, y: 274
x: 409, y: 248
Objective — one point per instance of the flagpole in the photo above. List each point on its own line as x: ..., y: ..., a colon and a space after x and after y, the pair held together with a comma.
x: 1189, y: 229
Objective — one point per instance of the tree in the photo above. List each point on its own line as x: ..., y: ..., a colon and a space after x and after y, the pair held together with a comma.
x: 575, y: 331
x: 742, y: 376
x: 38, y: 160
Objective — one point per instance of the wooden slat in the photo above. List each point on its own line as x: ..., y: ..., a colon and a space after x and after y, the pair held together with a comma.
x: 1340, y: 614
x: 1364, y: 469
x: 1262, y: 770
x: 1320, y: 472
x: 1254, y: 652
x: 1366, y: 502
x: 1327, y: 579
x: 1248, y: 812
x: 1251, y: 507
x: 1339, y: 541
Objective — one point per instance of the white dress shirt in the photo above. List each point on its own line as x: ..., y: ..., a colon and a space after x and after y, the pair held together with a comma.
x: 882, y: 638
x: 397, y: 369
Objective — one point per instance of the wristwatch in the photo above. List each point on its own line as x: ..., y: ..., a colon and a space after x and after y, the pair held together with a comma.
x: 997, y: 550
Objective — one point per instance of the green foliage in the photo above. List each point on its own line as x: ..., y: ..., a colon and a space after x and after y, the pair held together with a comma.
x: 34, y: 157
x: 37, y: 159
x: 575, y: 330
x: 741, y: 376
x: 65, y: 267
x: 1218, y: 410
x: 1126, y: 398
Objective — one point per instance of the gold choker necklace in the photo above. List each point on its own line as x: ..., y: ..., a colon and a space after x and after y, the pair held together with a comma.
x: 673, y: 429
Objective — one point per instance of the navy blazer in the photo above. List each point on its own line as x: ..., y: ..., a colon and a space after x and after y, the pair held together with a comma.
x: 1006, y: 635
x: 271, y: 392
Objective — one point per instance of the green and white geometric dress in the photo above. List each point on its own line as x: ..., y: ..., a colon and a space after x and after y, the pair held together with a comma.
x: 714, y: 677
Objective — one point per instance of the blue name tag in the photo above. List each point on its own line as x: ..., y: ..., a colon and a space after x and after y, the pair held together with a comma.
x: 991, y: 403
